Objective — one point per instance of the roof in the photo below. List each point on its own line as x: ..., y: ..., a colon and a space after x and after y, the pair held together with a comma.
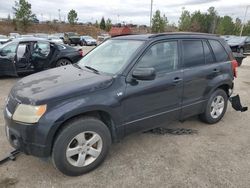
x: 167, y: 35
x: 27, y: 39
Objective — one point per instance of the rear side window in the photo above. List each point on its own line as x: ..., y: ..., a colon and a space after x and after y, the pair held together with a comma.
x: 208, y: 54
x: 192, y: 53
x: 219, y: 51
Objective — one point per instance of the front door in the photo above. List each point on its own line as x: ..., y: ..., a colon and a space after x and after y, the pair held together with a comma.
x: 149, y: 103
x: 7, y: 59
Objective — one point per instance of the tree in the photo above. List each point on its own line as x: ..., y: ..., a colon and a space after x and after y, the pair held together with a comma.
x: 72, y: 16
x: 108, y: 24
x: 103, y: 24
x: 96, y: 24
x: 158, y: 23
x: 212, y: 19
x: 226, y: 26
x: 184, y: 20
x: 23, y: 14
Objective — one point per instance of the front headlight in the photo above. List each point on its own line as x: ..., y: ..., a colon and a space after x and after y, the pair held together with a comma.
x: 28, y: 113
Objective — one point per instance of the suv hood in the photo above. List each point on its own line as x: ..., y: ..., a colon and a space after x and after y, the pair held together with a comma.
x: 57, y: 84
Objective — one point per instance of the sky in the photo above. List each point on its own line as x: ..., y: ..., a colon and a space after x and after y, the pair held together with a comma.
x: 129, y: 11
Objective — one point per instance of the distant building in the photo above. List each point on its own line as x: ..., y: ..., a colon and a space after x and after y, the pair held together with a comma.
x: 116, y: 31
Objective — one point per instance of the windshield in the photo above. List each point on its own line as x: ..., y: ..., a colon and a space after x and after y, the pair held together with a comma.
x: 110, y: 56
x: 237, y: 39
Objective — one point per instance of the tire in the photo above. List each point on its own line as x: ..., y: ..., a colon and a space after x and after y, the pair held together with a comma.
x: 81, y: 43
x: 69, y: 43
x: 214, y: 112
x: 70, y: 137
x: 63, y: 62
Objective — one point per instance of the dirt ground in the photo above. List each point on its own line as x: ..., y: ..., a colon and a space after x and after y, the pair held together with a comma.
x: 218, y: 156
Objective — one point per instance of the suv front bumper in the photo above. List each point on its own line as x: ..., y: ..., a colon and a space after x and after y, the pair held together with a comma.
x: 24, y: 137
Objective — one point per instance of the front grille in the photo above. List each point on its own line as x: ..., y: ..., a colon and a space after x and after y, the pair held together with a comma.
x: 12, y: 104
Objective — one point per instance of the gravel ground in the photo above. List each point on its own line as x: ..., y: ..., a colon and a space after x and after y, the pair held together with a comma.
x: 218, y: 156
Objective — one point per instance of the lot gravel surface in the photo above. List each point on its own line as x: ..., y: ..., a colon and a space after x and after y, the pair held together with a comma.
x: 218, y: 156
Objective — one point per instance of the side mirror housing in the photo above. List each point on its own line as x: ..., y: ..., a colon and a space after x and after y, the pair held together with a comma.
x: 144, y: 74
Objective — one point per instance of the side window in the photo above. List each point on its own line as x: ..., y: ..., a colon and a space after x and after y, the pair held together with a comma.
x: 219, y: 51
x: 9, y: 49
x: 161, y: 56
x: 23, y: 51
x: 208, y: 54
x: 41, y: 49
x: 192, y: 53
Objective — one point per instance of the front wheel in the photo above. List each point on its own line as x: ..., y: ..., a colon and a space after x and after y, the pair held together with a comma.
x: 81, y: 146
x: 216, y: 107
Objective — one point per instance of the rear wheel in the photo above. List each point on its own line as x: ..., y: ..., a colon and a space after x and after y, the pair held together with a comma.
x: 63, y: 62
x: 216, y: 107
x: 81, y: 146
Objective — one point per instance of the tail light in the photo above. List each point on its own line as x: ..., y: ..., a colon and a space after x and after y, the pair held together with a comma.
x: 234, y: 67
x: 80, y: 52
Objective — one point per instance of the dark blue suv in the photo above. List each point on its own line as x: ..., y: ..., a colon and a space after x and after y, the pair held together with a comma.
x: 127, y: 84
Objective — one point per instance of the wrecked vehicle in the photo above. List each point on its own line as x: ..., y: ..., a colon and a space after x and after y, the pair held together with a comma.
x: 127, y: 84
x: 29, y: 55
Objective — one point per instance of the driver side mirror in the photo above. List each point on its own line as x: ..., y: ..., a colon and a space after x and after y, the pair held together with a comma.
x: 144, y: 73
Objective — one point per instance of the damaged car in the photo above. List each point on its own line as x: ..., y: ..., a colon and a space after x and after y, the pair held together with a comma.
x: 127, y: 84
x: 239, y: 44
x: 29, y: 55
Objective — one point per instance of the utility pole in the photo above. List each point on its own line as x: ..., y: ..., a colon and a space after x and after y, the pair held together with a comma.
x: 151, y: 9
x: 59, y: 14
x: 243, y: 22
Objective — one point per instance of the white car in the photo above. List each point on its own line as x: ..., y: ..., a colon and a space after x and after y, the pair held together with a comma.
x: 88, y: 40
x: 3, y: 39
x: 55, y: 39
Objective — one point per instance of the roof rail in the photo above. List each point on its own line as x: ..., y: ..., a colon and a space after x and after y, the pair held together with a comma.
x: 180, y: 33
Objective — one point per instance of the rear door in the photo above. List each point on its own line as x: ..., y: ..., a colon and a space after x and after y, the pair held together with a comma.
x: 199, y: 69
x: 7, y: 59
x: 41, y: 55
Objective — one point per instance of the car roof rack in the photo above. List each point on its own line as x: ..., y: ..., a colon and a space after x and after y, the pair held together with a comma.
x: 180, y: 33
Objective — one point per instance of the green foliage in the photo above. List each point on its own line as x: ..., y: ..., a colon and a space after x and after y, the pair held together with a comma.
x: 226, y: 26
x: 211, y: 22
x: 72, y: 17
x: 158, y: 22
x: 184, y: 20
x: 103, y: 24
x: 108, y: 25
x: 23, y: 14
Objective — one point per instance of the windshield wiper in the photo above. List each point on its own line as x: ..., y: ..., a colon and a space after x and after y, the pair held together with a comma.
x: 91, y: 68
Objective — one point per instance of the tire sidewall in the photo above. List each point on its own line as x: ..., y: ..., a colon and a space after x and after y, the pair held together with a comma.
x: 59, y: 150
x: 209, y: 118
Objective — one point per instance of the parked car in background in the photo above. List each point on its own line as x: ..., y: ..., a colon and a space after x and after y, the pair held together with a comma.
x: 41, y: 35
x: 128, y: 84
x: 28, y: 55
x: 55, y: 38
x: 88, y: 40
x: 27, y: 36
x: 72, y: 38
x: 239, y: 44
x: 3, y: 39
x: 14, y: 35
x: 227, y: 37
x: 103, y: 37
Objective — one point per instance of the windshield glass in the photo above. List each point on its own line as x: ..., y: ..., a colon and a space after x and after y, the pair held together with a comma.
x: 237, y: 39
x: 110, y: 56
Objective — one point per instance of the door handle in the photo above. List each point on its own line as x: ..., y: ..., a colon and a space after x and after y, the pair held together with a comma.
x: 216, y: 71
x: 176, y: 80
